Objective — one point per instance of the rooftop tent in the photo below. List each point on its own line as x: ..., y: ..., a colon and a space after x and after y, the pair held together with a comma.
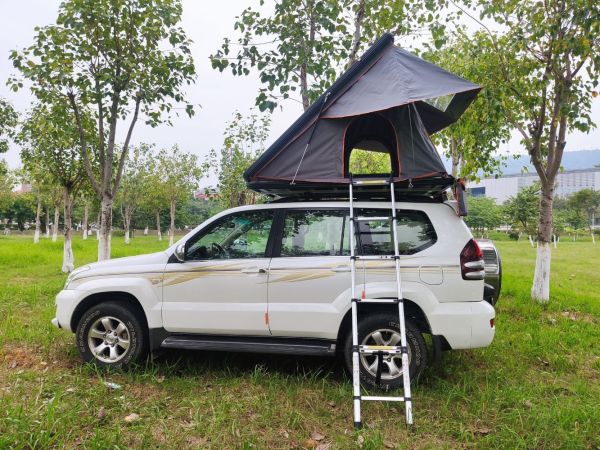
x: 390, y: 101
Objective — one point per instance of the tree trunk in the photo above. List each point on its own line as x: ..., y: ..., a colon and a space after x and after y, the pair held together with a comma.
x: 456, y: 159
x: 540, y: 290
x: 158, y: 233
x: 38, y: 223
x: 68, y: 259
x: 358, y: 21
x: 126, y: 223
x: 146, y: 231
x: 47, y: 222
x: 86, y: 211
x: 172, y: 227
x: 55, y: 224
x: 104, y: 235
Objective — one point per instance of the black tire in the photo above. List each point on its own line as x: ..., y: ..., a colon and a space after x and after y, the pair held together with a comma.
x: 134, y: 334
x: 384, y: 321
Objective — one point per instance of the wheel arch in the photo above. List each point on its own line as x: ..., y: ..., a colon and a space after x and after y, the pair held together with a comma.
x: 124, y: 298
x: 412, y: 311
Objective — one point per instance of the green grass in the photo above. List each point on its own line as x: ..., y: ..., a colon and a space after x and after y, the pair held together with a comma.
x: 536, y: 386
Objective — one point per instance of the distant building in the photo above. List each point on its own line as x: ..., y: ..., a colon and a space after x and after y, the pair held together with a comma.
x: 207, y: 194
x: 567, y: 183
x: 24, y: 188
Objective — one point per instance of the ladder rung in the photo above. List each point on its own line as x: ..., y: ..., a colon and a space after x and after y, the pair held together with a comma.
x: 379, y: 300
x: 375, y: 181
x: 375, y: 257
x: 382, y: 398
x: 391, y: 349
x: 367, y: 218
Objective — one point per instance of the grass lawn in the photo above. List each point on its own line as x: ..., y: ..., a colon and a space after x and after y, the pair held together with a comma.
x: 536, y: 386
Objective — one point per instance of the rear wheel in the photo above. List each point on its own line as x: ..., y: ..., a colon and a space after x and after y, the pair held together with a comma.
x: 111, y: 335
x: 383, y: 329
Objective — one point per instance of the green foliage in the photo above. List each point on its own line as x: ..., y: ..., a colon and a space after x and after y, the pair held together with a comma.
x: 585, y: 205
x: 473, y: 141
x: 244, y: 139
x: 119, y: 57
x: 7, y: 183
x: 179, y: 174
x: 484, y: 214
x: 136, y: 183
x: 302, y: 45
x: 49, y: 140
x: 8, y: 121
x: 523, y: 210
x: 363, y: 162
x: 21, y: 209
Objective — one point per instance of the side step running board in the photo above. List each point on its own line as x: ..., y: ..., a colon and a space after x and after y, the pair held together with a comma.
x: 288, y: 346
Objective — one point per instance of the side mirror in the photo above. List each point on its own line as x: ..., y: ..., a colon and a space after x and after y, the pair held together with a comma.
x: 180, y: 252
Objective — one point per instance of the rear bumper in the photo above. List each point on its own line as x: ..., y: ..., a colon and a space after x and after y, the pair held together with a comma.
x: 464, y: 324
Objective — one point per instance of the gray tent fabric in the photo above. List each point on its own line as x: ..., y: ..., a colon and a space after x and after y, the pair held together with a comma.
x: 390, y: 101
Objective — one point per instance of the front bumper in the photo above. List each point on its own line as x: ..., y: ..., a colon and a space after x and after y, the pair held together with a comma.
x: 66, y: 302
x: 464, y: 324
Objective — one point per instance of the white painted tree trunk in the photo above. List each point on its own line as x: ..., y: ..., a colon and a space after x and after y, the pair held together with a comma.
x: 85, y: 226
x: 55, y: 224
x: 68, y: 259
x: 531, y: 241
x: 172, y: 227
x: 47, y: 223
x: 104, y: 235
x: 554, y: 239
x: 540, y: 289
x: 146, y: 231
x: 593, y: 238
x: 541, y: 278
x: 158, y: 232
x: 38, y: 223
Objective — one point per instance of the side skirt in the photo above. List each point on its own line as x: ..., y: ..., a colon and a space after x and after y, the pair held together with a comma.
x: 252, y: 344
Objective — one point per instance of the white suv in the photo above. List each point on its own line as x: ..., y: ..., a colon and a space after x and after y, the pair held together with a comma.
x: 275, y: 278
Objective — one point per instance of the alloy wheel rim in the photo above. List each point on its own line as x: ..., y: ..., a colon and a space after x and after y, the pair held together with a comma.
x: 108, y: 339
x: 392, y: 364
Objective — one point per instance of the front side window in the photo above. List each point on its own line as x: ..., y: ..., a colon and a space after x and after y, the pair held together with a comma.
x: 375, y: 237
x: 315, y: 233
x: 241, y: 235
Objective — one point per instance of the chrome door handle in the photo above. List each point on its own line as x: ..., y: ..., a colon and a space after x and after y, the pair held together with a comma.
x: 253, y: 270
x: 343, y: 268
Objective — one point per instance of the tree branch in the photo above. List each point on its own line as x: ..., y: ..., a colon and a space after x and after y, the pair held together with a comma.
x: 82, y: 143
x: 125, y: 149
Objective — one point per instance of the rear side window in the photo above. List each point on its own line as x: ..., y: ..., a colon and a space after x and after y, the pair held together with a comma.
x: 315, y: 233
x: 375, y: 237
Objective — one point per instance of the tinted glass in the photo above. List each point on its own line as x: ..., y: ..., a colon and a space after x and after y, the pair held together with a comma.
x: 242, y: 235
x: 315, y: 233
x: 415, y: 233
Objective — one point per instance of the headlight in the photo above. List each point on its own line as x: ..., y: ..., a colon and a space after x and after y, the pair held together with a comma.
x: 74, y: 274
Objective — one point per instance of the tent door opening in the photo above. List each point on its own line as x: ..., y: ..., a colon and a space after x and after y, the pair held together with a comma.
x: 370, y: 147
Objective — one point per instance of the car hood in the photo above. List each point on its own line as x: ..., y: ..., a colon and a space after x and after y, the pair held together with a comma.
x: 152, y: 262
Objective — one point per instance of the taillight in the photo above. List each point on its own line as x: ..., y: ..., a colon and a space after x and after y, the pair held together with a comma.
x: 471, y: 262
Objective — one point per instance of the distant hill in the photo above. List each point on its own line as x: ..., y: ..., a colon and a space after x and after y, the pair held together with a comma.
x: 582, y: 159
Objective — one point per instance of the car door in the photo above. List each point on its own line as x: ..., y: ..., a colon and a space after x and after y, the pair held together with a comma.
x: 309, y: 280
x: 221, y: 287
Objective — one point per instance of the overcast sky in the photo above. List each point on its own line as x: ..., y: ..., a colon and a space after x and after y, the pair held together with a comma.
x: 220, y: 94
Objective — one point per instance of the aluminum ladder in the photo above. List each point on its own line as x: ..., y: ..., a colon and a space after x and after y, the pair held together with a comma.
x: 380, y: 350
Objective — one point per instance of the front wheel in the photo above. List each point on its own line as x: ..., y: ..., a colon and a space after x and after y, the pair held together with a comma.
x: 111, y: 335
x: 383, y: 329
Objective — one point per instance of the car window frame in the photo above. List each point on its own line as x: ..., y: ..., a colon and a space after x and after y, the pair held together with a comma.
x: 211, y: 226
x: 277, y: 237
